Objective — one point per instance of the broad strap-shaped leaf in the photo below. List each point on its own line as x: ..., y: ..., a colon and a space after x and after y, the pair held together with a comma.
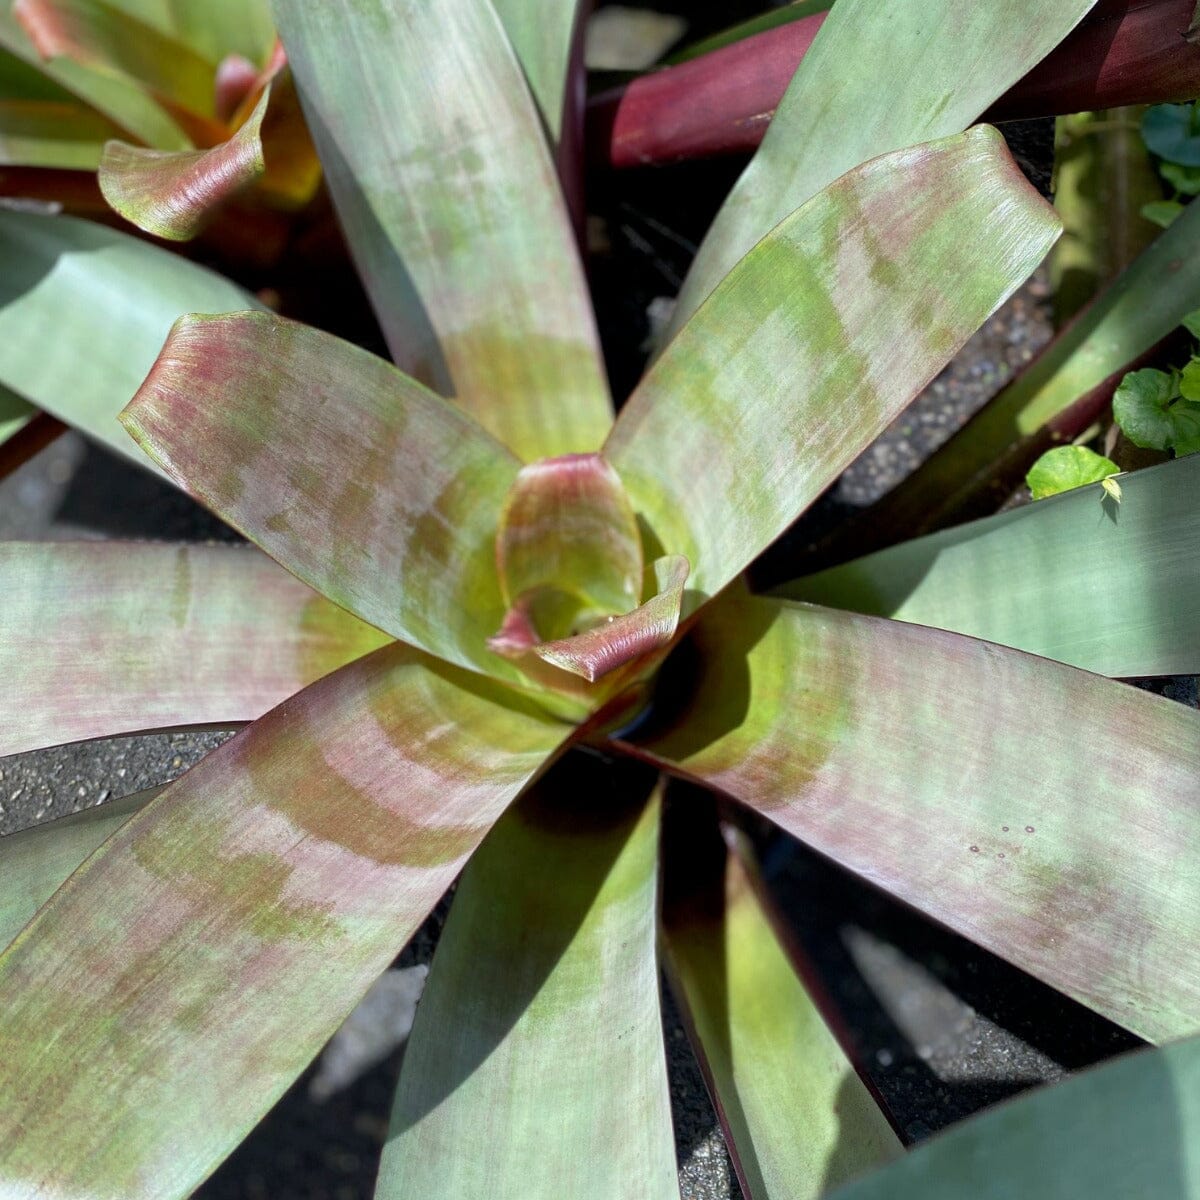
x: 1126, y: 1128
x: 1066, y: 388
x: 798, y: 1121
x: 356, y: 478
x: 221, y: 935
x: 101, y: 35
x: 105, y: 638
x: 817, y: 339
x: 109, y: 298
x: 213, y: 28
x: 536, y: 1058
x: 174, y: 193
x: 1124, y: 52
x: 544, y: 34
x: 1106, y: 587
x: 15, y: 414
x: 1103, y: 175
x: 922, y: 69
x: 34, y: 862
x: 124, y: 101
x: 1050, y: 815
x: 451, y: 206
x: 43, y: 124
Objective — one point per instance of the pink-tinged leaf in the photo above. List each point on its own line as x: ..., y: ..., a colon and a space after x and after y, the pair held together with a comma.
x: 537, y: 1051
x: 624, y: 639
x: 568, y: 551
x: 110, y: 299
x: 35, y: 862
x: 798, y: 1120
x: 100, y: 35
x: 923, y: 69
x: 192, y: 967
x: 105, y: 638
x: 356, y: 478
x: 451, y: 206
x: 235, y: 81
x: 1051, y: 815
x: 175, y: 193
x: 817, y: 339
x: 568, y: 525
x: 1068, y: 387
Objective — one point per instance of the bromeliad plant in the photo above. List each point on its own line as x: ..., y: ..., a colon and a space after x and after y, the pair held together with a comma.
x: 490, y: 576
x: 169, y: 103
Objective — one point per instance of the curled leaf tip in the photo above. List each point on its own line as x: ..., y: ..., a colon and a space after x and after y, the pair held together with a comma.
x: 567, y: 524
x: 174, y: 193
x: 612, y: 642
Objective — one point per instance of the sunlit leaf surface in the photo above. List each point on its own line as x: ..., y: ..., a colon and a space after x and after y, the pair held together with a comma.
x: 1050, y: 815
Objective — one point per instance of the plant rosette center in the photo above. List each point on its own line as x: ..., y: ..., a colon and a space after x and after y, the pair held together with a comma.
x: 581, y: 606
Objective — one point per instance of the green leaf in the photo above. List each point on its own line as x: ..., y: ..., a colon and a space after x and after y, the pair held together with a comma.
x: 1052, y: 820
x: 101, y: 35
x: 1103, y: 175
x: 1127, y: 1128
x: 175, y: 193
x: 452, y: 210
x: 1182, y: 179
x: 110, y: 299
x: 1067, y: 467
x: 1172, y: 131
x: 537, y: 1051
x: 221, y: 935
x: 543, y: 35
x: 213, y: 28
x: 922, y: 69
x: 1163, y: 213
x: 798, y: 1121
x: 1191, y: 323
x: 15, y: 414
x: 817, y: 339
x: 1144, y: 304
x: 1108, y: 589
x: 44, y: 125
x: 1148, y: 408
x: 101, y: 638
x: 35, y: 862
x: 359, y: 480
x: 122, y: 100
x: 795, y: 10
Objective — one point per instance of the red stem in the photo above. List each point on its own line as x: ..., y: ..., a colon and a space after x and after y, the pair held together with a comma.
x: 1125, y: 52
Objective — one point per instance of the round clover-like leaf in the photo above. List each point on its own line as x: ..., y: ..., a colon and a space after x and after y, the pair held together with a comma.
x: 1185, y: 180
x: 1172, y: 131
x: 1067, y: 467
x: 1151, y: 413
x: 1161, y: 212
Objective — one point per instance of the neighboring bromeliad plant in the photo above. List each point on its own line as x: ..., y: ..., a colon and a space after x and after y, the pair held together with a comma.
x: 170, y: 103
x: 489, y: 579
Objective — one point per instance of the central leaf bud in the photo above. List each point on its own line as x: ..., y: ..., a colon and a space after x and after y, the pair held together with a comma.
x: 569, y: 557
